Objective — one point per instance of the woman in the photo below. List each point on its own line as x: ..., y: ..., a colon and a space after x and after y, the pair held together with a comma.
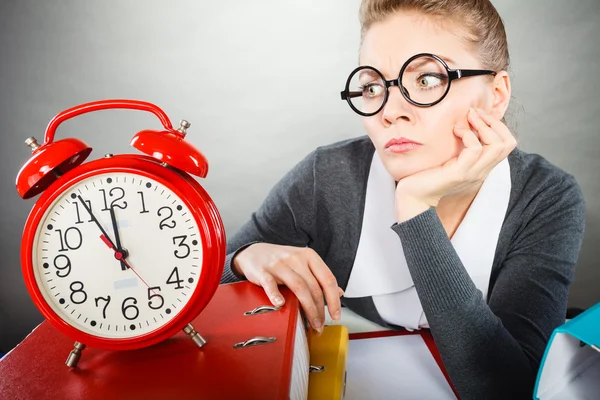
x: 435, y: 220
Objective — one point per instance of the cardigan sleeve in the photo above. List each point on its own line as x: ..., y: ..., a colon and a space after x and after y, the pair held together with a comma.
x: 285, y: 217
x: 493, y: 349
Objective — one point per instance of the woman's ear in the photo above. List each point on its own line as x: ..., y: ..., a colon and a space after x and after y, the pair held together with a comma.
x: 501, y: 93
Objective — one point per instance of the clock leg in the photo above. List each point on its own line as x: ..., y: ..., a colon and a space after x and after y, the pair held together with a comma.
x: 75, y: 355
x: 195, y: 336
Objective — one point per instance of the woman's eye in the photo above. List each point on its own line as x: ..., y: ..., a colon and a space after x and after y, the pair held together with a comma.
x: 428, y: 81
x: 372, y: 90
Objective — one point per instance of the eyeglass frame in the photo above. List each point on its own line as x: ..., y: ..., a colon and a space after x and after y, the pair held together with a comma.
x: 453, y: 74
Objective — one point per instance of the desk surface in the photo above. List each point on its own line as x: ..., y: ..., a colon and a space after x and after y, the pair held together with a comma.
x: 361, y: 328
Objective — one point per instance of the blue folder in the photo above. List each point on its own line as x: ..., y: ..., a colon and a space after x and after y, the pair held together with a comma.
x: 570, y: 368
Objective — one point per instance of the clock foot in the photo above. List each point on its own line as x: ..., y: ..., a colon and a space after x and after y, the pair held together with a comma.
x: 75, y: 355
x: 195, y: 336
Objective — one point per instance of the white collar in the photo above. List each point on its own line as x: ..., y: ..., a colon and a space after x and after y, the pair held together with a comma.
x: 380, y: 268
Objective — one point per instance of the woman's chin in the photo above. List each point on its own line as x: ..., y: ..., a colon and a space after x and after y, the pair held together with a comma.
x: 399, y: 172
x: 402, y: 167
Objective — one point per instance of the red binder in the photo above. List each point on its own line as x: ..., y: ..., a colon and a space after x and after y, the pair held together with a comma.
x: 176, y: 368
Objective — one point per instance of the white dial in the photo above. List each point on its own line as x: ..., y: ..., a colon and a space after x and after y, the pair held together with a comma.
x: 123, y: 283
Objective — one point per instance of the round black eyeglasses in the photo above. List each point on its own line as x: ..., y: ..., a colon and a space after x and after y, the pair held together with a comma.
x: 424, y: 81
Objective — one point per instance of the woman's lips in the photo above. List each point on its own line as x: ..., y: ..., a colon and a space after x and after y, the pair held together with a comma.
x: 401, y: 145
x: 402, y: 148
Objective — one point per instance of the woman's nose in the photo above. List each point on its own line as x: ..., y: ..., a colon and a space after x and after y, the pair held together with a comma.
x: 397, y: 107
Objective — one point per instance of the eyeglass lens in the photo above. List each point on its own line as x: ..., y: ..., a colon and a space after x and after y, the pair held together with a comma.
x: 425, y: 81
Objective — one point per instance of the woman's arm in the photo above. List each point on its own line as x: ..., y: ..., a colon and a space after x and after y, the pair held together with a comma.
x: 494, y: 350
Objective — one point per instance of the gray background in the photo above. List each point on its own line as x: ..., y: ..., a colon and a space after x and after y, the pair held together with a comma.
x: 260, y: 83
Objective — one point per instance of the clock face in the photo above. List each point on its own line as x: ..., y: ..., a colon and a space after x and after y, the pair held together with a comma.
x: 121, y: 279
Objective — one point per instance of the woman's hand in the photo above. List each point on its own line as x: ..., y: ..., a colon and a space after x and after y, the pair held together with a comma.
x: 300, y: 269
x: 493, y: 142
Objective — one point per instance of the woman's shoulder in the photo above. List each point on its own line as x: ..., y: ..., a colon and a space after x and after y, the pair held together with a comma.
x: 346, y: 149
x: 349, y: 155
x: 532, y: 174
x: 341, y: 163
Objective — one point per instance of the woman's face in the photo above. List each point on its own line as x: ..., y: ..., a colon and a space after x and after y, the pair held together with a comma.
x: 386, y: 46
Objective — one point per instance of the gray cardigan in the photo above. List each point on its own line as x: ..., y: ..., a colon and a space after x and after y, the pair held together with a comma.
x: 491, y: 347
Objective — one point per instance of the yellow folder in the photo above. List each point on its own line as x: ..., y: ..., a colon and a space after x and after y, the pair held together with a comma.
x: 328, y: 356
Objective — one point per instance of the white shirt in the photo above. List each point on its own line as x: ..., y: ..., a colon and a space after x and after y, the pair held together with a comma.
x: 380, y: 268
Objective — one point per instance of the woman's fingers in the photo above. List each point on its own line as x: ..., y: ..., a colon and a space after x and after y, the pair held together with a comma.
x: 470, y: 154
x: 299, y: 266
x: 487, y: 135
x: 301, y: 270
x: 328, y: 283
x: 269, y: 284
x: 500, y: 128
x: 497, y: 146
x: 494, y: 144
x: 299, y: 287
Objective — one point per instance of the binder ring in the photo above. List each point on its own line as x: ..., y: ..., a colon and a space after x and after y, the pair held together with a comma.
x: 316, y: 368
x: 262, y: 310
x: 255, y: 341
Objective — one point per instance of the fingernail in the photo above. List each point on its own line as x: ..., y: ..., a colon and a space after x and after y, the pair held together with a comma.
x: 336, y: 315
x: 472, y: 110
x: 340, y: 292
x: 277, y: 300
x: 319, y: 331
x: 317, y: 324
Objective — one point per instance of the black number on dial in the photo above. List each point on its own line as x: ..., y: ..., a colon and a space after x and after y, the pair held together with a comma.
x: 107, y: 300
x: 174, y: 279
x: 163, y: 224
x: 77, y: 293
x: 89, y: 204
x: 63, y: 270
x: 114, y: 202
x: 143, y: 203
x: 130, y: 309
x: 177, y: 252
x: 73, y: 241
x: 156, y: 296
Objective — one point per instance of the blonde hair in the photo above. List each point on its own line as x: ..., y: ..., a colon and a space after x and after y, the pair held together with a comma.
x: 483, y: 27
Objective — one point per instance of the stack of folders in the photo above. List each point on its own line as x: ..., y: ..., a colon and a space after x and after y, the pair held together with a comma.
x: 570, y: 367
x: 253, y: 351
x: 328, y: 361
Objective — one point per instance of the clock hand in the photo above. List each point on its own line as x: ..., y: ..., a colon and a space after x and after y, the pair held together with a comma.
x: 135, y: 272
x: 119, y: 248
x: 120, y: 256
x: 104, y: 234
x: 93, y: 217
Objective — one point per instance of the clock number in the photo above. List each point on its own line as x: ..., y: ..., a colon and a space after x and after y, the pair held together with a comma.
x: 64, y: 269
x: 114, y: 202
x: 144, y: 211
x: 174, y: 280
x: 89, y: 204
x: 155, y: 295
x: 163, y: 223
x: 181, y: 244
x: 66, y: 241
x: 125, y: 308
x: 74, y: 292
x: 107, y: 300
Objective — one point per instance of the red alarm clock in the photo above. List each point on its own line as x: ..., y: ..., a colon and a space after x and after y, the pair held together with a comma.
x: 124, y: 251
